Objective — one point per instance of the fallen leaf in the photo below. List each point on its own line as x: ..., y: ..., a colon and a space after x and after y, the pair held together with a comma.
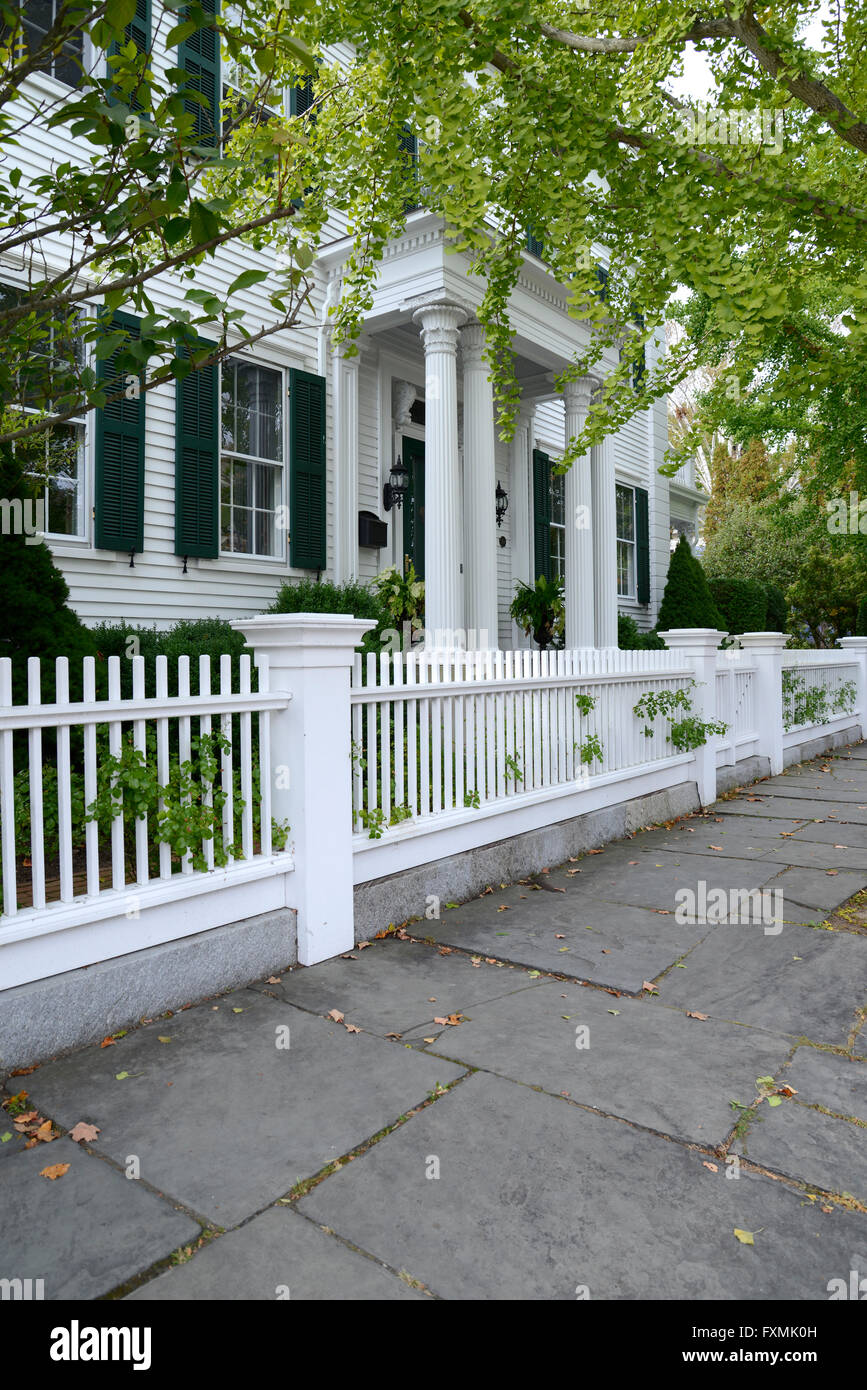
x: 54, y: 1171
x: 696, y: 1014
x: 787, y: 1090
x: 441, y: 1021
x: 841, y: 846
x: 831, y: 872
x: 745, y: 1237
x: 716, y: 847
x: 714, y: 1167
x: 163, y: 1039
x: 559, y: 936
x: 615, y: 1012
x: 445, y: 950
x: 107, y: 1042
x: 336, y: 1015
x: 361, y: 945
x: 121, y: 1075
x: 23, y: 1071
x: 45, y: 1133
x: 394, y: 1035
x: 351, y: 1028
x: 275, y: 979
x: 774, y: 1100
x: 663, y: 911
x: 428, y: 1040
x: 648, y: 986
x: 347, y: 956
x: 504, y: 907
x: 83, y: 1131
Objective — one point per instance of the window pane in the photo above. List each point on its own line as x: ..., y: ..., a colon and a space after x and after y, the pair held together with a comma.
x: 64, y: 455
x: 558, y: 499
x: 241, y: 485
x: 625, y: 514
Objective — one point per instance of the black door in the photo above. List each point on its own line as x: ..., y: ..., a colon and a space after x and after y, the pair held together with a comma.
x: 413, y: 505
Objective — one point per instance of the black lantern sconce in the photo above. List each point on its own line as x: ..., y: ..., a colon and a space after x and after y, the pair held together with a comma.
x: 397, y: 486
x: 502, y: 501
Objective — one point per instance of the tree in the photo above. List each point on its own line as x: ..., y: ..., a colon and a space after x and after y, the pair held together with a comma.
x: 569, y: 128
x: 687, y: 600
x: 169, y: 178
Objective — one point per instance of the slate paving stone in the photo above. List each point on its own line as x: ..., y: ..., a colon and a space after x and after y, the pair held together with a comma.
x: 793, y: 808
x: 735, y: 843
x: 805, y: 982
x: 654, y: 880
x: 832, y: 833
x: 832, y: 793
x: 607, y: 943
x: 86, y: 1232
x: 817, y: 889
x: 824, y: 1078
x: 278, y: 1250
x: 813, y: 854
x: 537, y: 1197
x: 222, y: 1118
x: 389, y: 987
x: 818, y: 1149
x: 626, y: 1068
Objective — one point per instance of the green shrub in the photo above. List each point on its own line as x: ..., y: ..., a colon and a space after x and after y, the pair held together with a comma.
x: 776, y: 611
x: 630, y: 638
x: 743, y: 603
x: 192, y: 637
x: 357, y: 600
x: 687, y: 601
x: 36, y: 620
x: 861, y: 620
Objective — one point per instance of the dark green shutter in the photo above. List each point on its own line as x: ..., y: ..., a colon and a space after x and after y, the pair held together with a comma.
x: 541, y: 514
x: 120, y: 440
x: 535, y: 245
x: 601, y: 274
x: 301, y: 96
x: 306, y: 470
x: 642, y: 547
x: 138, y: 31
x: 199, y: 56
x: 408, y: 145
x: 197, y: 461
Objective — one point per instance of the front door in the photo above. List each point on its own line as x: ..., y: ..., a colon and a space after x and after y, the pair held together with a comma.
x: 413, y: 506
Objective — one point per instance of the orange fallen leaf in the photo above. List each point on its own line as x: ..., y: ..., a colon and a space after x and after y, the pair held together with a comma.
x: 504, y: 907
x: 83, y: 1131
x: 648, y: 986
x: 361, y: 945
x: 445, y: 950
x: 54, y: 1171
x: 336, y: 1015
x: 559, y: 936
x: 714, y: 1168
x: 692, y: 1013
x: 717, y: 847
x: 428, y: 1040
x: 273, y: 980
x: 108, y: 1042
x: 394, y: 1035
x: 351, y: 1028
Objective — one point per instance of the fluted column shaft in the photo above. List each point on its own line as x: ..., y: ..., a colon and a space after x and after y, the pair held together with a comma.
x: 442, y: 528
x: 580, y: 605
x: 480, y: 482
x: 604, y: 542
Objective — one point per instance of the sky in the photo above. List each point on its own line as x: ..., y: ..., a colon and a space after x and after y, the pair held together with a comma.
x: 697, y: 81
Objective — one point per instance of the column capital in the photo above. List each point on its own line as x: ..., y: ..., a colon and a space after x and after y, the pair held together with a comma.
x: 578, y: 393
x: 439, y: 323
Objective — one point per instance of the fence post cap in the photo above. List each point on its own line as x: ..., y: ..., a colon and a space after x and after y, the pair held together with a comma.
x: 312, y: 639
x: 858, y: 643
x: 707, y: 638
x: 775, y: 640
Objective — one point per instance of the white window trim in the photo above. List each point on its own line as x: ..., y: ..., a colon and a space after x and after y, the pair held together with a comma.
x: 240, y: 557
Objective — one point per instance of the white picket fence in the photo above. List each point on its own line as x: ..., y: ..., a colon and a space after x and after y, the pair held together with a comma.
x: 67, y: 870
x: 443, y: 733
x: 378, y: 766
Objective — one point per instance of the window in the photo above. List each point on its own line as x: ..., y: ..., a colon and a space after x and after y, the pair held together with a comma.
x: 626, y: 568
x: 251, y: 459
x: 558, y: 525
x: 56, y: 456
x: 39, y: 17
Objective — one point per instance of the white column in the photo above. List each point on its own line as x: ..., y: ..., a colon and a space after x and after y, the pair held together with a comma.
x: 344, y: 392
x: 444, y: 611
x: 480, y: 483
x: 520, y: 506
x: 309, y: 656
x: 604, y: 542
x: 580, y: 620
x: 698, y: 646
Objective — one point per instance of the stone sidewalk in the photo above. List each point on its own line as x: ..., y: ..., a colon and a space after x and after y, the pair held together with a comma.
x: 556, y: 1090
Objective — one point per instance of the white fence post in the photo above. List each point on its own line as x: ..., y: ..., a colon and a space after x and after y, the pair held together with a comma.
x: 856, y: 648
x: 698, y: 645
x: 310, y: 656
x: 766, y: 649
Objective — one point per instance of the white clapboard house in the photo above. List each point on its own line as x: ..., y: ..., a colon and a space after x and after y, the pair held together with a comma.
x: 285, y: 461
